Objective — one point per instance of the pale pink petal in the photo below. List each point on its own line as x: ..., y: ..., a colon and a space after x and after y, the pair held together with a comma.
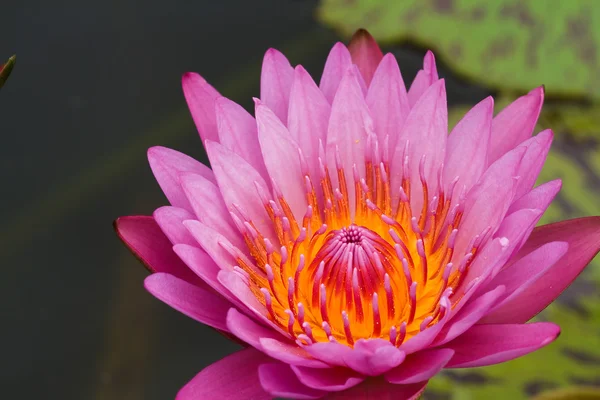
x: 517, y: 227
x: 379, y: 389
x: 197, y: 303
x: 237, y: 132
x: 539, y: 198
x: 466, y: 152
x: 583, y: 238
x: 308, y: 118
x: 365, y: 53
x: 200, y: 97
x: 425, y: 78
x: 290, y: 353
x: 226, y: 379
x: 282, y: 159
x: 420, y: 366
x: 424, y: 338
x: 388, y: 102
x: 330, y: 379
x: 349, y: 126
x: 276, y: 80
x: 166, y: 164
x: 426, y: 130
x: 518, y: 276
x: 279, y: 380
x: 492, y: 344
x: 515, y: 123
x: 170, y: 219
x: 533, y: 161
x: 143, y: 236
x: 338, y: 62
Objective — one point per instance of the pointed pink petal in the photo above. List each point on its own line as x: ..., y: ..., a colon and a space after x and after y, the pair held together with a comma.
x: 492, y: 344
x: 282, y: 159
x: 365, y: 53
x: 533, y: 161
x: 279, y: 380
x: 515, y: 123
x: 388, y: 101
x: 330, y: 379
x: 379, y: 389
x: 338, y: 62
x: 143, y: 236
x: 420, y: 366
x: 166, y: 164
x: 539, y: 198
x: 308, y: 118
x: 197, y: 303
x: 170, y: 219
x: 424, y: 338
x: 466, y: 152
x: 237, y: 132
x: 518, y: 276
x: 517, y: 227
x: 276, y: 80
x: 426, y: 130
x: 349, y: 126
x: 226, y: 379
x: 425, y: 78
x: 583, y: 238
x: 289, y: 353
x: 200, y: 97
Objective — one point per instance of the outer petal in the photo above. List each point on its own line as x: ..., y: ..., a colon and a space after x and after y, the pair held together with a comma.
x: 279, y: 380
x: 227, y: 379
x: 583, y: 238
x: 201, y: 97
x: 379, y: 389
x: 276, y: 82
x: 143, y: 236
x: 170, y: 219
x: 425, y: 78
x: 197, y: 303
x: 330, y: 379
x: 167, y: 164
x: 338, y: 62
x: 533, y: 161
x: 420, y: 366
x: 515, y: 123
x: 492, y: 344
x: 365, y: 53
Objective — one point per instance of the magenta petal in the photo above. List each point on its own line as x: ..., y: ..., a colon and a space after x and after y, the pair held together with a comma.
x: 420, y: 366
x: 289, y: 353
x: 234, y: 377
x: 338, y: 62
x: 379, y: 389
x: 167, y: 164
x: 330, y: 379
x: 247, y: 330
x: 515, y: 123
x: 212, y: 242
x: 170, y: 219
x: 279, y: 380
x: 276, y: 80
x: 425, y: 78
x: 201, y: 97
x: 373, y: 357
x: 365, y: 53
x: 539, y: 198
x: 197, y: 303
x: 583, y: 238
x: 492, y: 344
x: 533, y: 161
x: 143, y: 236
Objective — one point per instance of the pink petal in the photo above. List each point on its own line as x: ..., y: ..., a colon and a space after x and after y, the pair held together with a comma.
x: 170, y: 219
x: 420, y: 366
x: 234, y: 377
x: 492, y: 344
x: 289, y: 353
x: 349, y: 126
x: 338, y: 62
x: 379, y: 389
x: 276, y: 80
x: 466, y: 152
x: 517, y: 227
x: 200, y: 97
x: 365, y: 53
x: 426, y: 130
x: 539, y: 198
x: 518, y: 276
x: 424, y: 338
x: 425, y: 78
x: 533, y: 161
x: 583, y: 238
x: 279, y: 380
x: 282, y: 159
x: 388, y: 102
x: 237, y: 132
x: 515, y: 123
x: 143, y: 236
x: 308, y: 118
x: 330, y: 379
x: 166, y: 164
x: 197, y: 303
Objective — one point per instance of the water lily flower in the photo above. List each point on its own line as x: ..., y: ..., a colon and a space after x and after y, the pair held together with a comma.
x: 353, y: 245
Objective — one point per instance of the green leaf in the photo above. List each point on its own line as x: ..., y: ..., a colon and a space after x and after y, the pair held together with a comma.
x: 6, y: 69
x: 506, y: 44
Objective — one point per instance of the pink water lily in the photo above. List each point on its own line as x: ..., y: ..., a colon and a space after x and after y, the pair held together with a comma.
x: 348, y: 240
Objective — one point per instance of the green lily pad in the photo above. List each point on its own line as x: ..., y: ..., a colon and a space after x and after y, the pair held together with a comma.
x: 505, y: 44
x: 579, y: 393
